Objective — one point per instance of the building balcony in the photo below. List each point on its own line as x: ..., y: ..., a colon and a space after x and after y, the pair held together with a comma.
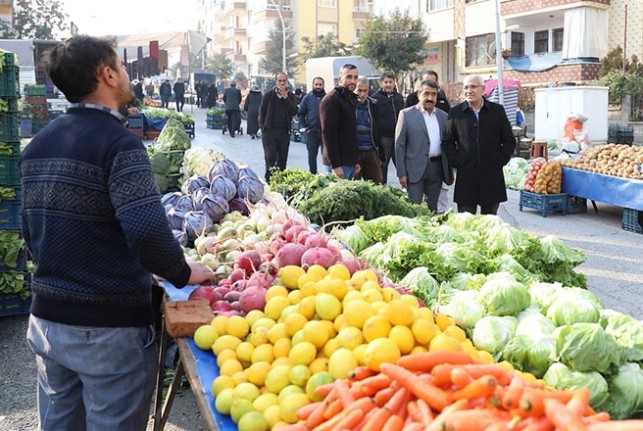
x: 271, y: 13
x: 510, y: 8
x: 234, y: 8
x: 235, y: 57
x: 362, y: 13
x: 235, y: 32
x: 532, y: 70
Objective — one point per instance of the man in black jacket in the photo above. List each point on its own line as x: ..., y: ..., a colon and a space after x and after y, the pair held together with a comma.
x: 442, y: 102
x: 275, y: 119
x: 232, y: 100
x: 166, y: 92
x: 369, y: 138
x: 390, y: 103
x: 179, y: 94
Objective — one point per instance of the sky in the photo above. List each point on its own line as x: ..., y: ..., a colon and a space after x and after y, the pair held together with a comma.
x: 123, y: 17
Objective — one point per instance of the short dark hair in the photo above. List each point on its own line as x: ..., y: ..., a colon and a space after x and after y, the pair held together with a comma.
x: 434, y: 73
x: 429, y: 83
x: 347, y: 66
x: 74, y: 64
x: 388, y: 74
x: 318, y: 77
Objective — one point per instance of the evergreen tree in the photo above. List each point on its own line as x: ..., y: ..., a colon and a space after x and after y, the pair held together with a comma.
x: 36, y: 19
x: 273, y: 59
x: 324, y: 46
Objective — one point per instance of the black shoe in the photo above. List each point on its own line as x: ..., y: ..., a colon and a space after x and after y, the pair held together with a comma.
x: 252, y: 137
x: 231, y: 135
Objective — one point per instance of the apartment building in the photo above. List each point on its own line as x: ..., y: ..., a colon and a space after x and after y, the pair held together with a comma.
x: 6, y: 11
x: 626, y: 27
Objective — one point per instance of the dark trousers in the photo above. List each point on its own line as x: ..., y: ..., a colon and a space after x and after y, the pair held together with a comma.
x: 430, y: 185
x: 180, y: 101
x: 484, y: 209
x: 313, y: 144
x: 233, y: 121
x: 165, y: 102
x: 388, y: 147
x: 276, y: 143
x: 370, y: 166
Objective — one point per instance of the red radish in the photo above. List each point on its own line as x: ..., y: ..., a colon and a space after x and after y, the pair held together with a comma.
x: 222, y: 290
x: 261, y: 279
x: 303, y: 236
x: 266, y: 258
x: 262, y: 248
x: 236, y: 306
x: 352, y: 264
x: 287, y: 225
x: 276, y: 245
x: 336, y: 254
x: 289, y: 254
x: 237, y: 274
x: 253, y: 298
x: 291, y: 234
x: 317, y: 256
x: 316, y: 240
x: 267, y: 267
x: 238, y: 286
x: 221, y: 306
x: 249, y: 261
x: 232, y: 296
x: 203, y: 292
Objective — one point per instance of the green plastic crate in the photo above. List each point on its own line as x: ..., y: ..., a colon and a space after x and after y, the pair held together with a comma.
x: 9, y: 127
x: 9, y: 173
x: 10, y: 80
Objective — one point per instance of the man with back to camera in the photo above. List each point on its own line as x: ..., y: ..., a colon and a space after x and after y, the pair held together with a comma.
x: 418, y: 139
x: 339, y: 124
x: 179, y: 94
x: 278, y: 106
x: 165, y: 90
x: 478, y: 143
x: 85, y: 176
x: 232, y: 100
x: 390, y: 103
x: 309, y: 122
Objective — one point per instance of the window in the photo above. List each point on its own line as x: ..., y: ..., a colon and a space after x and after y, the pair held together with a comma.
x: 364, y: 6
x: 285, y: 4
x: 478, y: 52
x: 327, y: 3
x: 517, y: 44
x: 558, y: 39
x: 433, y: 5
x: 359, y: 32
x: 326, y: 28
x: 541, y: 41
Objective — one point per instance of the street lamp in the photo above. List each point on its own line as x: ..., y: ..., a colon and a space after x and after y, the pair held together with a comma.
x: 283, y: 36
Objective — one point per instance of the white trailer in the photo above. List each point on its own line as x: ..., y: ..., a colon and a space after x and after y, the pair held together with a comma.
x: 328, y: 69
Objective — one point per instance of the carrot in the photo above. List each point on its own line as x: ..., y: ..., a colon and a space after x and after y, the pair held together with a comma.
x: 371, y: 385
x: 397, y: 400
x: 316, y: 417
x: 394, y: 423
x: 343, y: 392
x: 442, y: 374
x: 425, y: 361
x: 561, y: 417
x: 351, y: 419
x: 478, y: 370
x: 305, y: 412
x: 330, y: 424
x: 383, y: 396
x: 470, y: 420
x: 360, y: 373
x: 426, y: 415
x: 333, y: 409
x: 532, y: 400
x: 299, y: 426
x: 438, y: 423
x: 380, y: 417
x: 626, y: 425
x: 413, y: 426
x: 401, y: 411
x: 578, y: 403
x: 536, y: 424
x: 598, y: 417
x: 434, y: 396
x: 324, y: 390
x: 413, y: 412
x: 482, y: 387
x: 365, y: 419
x: 513, y: 393
x: 498, y: 426
x: 460, y: 377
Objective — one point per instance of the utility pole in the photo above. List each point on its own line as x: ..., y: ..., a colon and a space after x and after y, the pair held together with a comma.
x: 283, y: 35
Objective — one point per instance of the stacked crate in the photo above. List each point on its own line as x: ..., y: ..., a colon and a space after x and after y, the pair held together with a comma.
x: 14, y: 279
x: 37, y: 101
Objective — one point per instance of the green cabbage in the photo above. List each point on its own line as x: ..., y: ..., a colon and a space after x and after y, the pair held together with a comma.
x: 626, y: 392
x: 544, y: 294
x: 569, y: 308
x: 502, y: 295
x: 555, y: 250
x: 465, y: 308
x: 530, y: 354
x: 422, y: 284
x: 534, y: 324
x: 586, y: 347
x: 491, y: 333
x: 560, y: 376
x: 354, y: 237
x: 466, y: 281
x: 627, y: 331
x: 160, y: 163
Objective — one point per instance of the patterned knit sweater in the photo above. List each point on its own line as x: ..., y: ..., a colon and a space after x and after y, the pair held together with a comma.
x: 94, y: 223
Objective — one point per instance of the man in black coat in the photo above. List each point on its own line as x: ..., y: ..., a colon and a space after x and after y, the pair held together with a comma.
x: 232, y: 100
x: 442, y: 102
x: 179, y: 94
x: 165, y: 90
x: 138, y: 90
x: 275, y: 119
x: 478, y: 143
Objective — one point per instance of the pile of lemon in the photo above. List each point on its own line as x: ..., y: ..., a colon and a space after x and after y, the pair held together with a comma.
x: 317, y: 326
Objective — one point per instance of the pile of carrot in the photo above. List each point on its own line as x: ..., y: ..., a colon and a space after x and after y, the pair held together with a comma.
x: 449, y: 391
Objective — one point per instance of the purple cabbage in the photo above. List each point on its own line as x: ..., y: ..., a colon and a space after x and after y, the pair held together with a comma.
x: 247, y: 171
x: 238, y: 204
x: 222, y: 186
x: 215, y: 207
x: 196, y: 223
x: 194, y: 183
x: 170, y: 198
x: 181, y: 237
x: 175, y: 217
x: 225, y: 167
x: 184, y: 204
x: 250, y: 188
x: 197, y: 196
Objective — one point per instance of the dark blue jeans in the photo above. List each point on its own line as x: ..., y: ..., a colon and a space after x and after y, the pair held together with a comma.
x: 313, y: 144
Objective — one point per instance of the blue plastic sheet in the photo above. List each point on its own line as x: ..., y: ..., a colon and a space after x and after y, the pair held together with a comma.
x: 205, y: 362
x: 617, y: 191
x: 156, y: 124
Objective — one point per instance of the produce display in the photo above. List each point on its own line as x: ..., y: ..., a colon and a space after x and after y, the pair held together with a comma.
x: 162, y: 113
x: 515, y: 173
x: 549, y: 179
x: 532, y: 174
x: 612, y: 159
x: 167, y: 153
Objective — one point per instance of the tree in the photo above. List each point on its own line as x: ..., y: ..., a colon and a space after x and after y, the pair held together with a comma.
x: 220, y: 65
x: 395, y: 44
x: 324, y: 46
x: 272, y: 61
x: 37, y: 19
x: 613, y: 61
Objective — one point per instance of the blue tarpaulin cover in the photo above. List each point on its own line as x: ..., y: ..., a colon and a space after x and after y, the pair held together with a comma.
x: 535, y: 62
x: 205, y: 362
x: 617, y: 191
x: 156, y: 123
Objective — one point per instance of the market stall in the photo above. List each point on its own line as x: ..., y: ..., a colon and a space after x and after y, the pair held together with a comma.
x: 622, y: 192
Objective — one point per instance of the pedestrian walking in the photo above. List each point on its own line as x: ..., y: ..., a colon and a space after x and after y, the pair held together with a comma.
x: 232, y: 100
x: 165, y: 90
x: 179, y: 94
x: 251, y: 106
x: 310, y: 123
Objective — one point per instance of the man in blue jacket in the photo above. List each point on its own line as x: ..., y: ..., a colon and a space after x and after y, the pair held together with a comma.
x: 310, y: 123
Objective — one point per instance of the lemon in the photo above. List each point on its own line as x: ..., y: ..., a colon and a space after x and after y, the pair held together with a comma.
x: 323, y: 285
x: 297, y: 338
x: 350, y: 337
x: 239, y: 377
x: 358, y: 352
x: 351, y: 296
x: 378, y: 306
x: 485, y: 357
x: 247, y: 391
x: 329, y: 327
x: 276, y: 290
x: 225, y: 342
x: 275, y: 306
x: 399, y: 312
x: 237, y: 326
x: 289, y: 275
x: 205, y: 336
x: 444, y: 342
x: 259, y: 336
x: 256, y: 373
x: 290, y: 309
x: 339, y: 322
x: 240, y: 406
x: 273, y: 415
x: 309, y: 288
x: 338, y: 288
x: 379, y: 351
x: 263, y: 322
x: 299, y: 375
x: 318, y: 271
x: 314, y: 332
x: 370, y: 285
x: 277, y: 332
x: 302, y: 353
x: 424, y: 313
x: 244, y: 351
x: 418, y: 349
x: 376, y: 327
x: 281, y: 348
x: 357, y: 311
x: 290, y: 389
x: 403, y: 337
x: 306, y: 307
x: 277, y: 378
x: 443, y: 321
x: 289, y: 406
x: 223, y: 402
x: 294, y: 323
x: 339, y: 271
x: 262, y: 353
x: 372, y: 295
x: 368, y: 274
x: 307, y: 278
x: 424, y: 330
x: 456, y: 332
x: 230, y: 367
x: 281, y: 361
x: 341, y: 362
x: 389, y: 294
x: 225, y: 355
x: 253, y: 316
x: 330, y: 346
x: 221, y: 383
x: 295, y: 296
x: 316, y: 380
x: 219, y: 322
x: 410, y: 300
x: 263, y: 401
x: 357, y: 280
x: 319, y: 365
x: 253, y: 421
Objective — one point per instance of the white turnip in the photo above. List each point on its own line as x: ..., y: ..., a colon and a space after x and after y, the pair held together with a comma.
x: 317, y: 256
x: 253, y: 298
x: 289, y: 254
